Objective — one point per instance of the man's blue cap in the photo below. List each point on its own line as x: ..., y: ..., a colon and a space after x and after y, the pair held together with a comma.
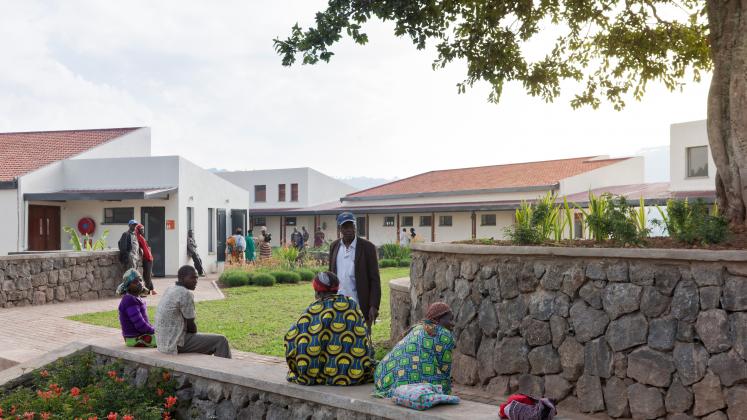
x: 345, y: 217
x: 133, y: 222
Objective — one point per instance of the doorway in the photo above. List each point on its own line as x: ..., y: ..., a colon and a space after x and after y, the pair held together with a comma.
x: 154, y: 222
x: 220, y: 221
x: 44, y: 228
x: 238, y: 220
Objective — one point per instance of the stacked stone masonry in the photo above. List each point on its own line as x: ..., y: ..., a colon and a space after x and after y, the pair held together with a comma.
x: 627, y: 337
x: 200, y: 398
x: 38, y: 279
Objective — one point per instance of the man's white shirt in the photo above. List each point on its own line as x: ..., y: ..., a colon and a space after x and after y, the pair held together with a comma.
x: 346, y: 269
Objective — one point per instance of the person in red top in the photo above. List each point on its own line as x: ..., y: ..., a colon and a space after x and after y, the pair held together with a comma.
x: 147, y: 258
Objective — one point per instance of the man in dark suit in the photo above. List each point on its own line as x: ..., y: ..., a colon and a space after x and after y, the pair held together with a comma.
x: 354, y: 261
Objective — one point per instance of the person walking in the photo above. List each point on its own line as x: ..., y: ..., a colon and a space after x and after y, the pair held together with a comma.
x: 305, y: 235
x: 147, y: 259
x: 404, y: 238
x: 192, y: 252
x: 294, y: 238
x: 129, y: 247
x: 318, y: 237
x: 240, y: 245
x: 354, y: 261
x: 265, y: 250
x: 249, y: 253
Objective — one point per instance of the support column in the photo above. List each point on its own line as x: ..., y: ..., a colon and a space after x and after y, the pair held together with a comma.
x: 368, y: 233
x: 433, y: 227
x: 474, y: 225
x: 396, y: 232
x: 282, y: 230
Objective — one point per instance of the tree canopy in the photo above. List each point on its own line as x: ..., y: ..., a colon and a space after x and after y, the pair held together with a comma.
x: 612, y: 48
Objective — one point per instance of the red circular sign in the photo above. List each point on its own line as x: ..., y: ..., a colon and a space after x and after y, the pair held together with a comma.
x: 86, y: 226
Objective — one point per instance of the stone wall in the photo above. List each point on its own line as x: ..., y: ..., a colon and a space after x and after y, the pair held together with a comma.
x: 641, y: 333
x: 37, y: 279
x: 399, y: 305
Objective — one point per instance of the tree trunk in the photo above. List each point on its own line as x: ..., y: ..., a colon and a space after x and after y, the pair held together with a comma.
x: 727, y: 106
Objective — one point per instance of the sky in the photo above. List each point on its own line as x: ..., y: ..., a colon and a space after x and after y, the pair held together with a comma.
x: 205, y: 77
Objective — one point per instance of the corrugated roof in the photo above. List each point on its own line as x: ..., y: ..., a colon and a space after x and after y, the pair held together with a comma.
x: 511, y: 176
x: 23, y: 152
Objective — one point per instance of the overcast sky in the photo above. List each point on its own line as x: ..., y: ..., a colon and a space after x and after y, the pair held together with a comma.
x: 204, y: 76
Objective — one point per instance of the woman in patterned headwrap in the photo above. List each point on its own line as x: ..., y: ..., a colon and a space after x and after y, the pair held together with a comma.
x: 133, y: 316
x: 423, y: 356
x: 329, y: 344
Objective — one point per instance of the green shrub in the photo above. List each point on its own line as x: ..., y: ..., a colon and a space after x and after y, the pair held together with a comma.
x: 234, y: 278
x: 286, y: 276
x: 609, y: 217
x: 306, y: 274
x: 404, y: 263
x: 263, y: 279
x: 693, y: 223
x: 394, y: 252
x: 387, y: 262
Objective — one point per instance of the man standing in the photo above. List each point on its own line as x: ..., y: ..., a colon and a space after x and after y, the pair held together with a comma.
x: 175, y: 321
x: 129, y: 248
x: 354, y: 261
x: 294, y: 238
x: 192, y: 252
x: 305, y: 235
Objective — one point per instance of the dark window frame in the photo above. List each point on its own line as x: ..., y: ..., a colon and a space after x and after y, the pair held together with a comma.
x: 257, y: 219
x: 281, y: 192
x: 294, y: 192
x: 688, y: 162
x: 484, y: 219
x: 407, y: 221
x: 389, y: 221
x: 190, y: 218
x: 423, y: 219
x: 118, y: 215
x: 291, y: 221
x: 211, y: 230
x: 260, y: 189
x: 360, y: 225
x: 442, y: 219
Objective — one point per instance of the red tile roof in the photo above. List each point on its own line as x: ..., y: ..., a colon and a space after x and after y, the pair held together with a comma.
x: 24, y: 152
x: 515, y: 175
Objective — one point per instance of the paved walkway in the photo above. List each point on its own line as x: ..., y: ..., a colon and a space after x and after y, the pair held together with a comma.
x: 30, y: 331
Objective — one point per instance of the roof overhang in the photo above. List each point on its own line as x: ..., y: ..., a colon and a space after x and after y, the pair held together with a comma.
x: 531, y: 188
x: 9, y: 185
x: 102, y: 195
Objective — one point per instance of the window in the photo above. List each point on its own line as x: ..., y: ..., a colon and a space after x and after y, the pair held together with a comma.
x: 444, y: 220
x: 294, y: 192
x: 578, y: 226
x: 290, y: 221
x: 697, y: 161
x: 211, y: 234
x: 259, y: 221
x: 120, y: 215
x: 360, y: 223
x: 425, y: 221
x: 260, y: 193
x: 190, y: 218
x: 388, y: 221
x: 487, y: 220
x: 406, y: 221
x: 281, y: 192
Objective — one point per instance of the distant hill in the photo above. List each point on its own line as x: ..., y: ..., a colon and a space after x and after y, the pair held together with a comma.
x: 364, y: 182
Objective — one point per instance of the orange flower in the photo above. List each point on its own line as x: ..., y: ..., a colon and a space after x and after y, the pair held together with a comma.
x: 111, y: 416
x: 166, y: 416
x: 45, y: 415
x: 166, y: 376
x: 111, y: 374
x: 44, y: 373
x: 128, y: 417
x: 159, y: 392
x: 29, y: 415
x: 85, y: 398
x: 170, y: 401
x: 94, y: 418
x: 75, y: 391
x: 12, y: 410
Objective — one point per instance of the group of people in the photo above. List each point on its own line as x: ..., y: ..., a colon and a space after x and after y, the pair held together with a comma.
x: 330, y: 343
x: 242, y: 248
x: 134, y: 250
x: 406, y: 238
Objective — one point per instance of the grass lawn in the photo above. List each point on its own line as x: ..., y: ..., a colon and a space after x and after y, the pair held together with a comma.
x: 255, y: 319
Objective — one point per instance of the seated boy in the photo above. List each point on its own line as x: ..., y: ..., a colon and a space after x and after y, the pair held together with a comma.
x: 133, y: 317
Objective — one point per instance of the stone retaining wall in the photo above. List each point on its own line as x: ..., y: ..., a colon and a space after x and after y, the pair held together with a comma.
x: 623, y: 332
x: 37, y: 279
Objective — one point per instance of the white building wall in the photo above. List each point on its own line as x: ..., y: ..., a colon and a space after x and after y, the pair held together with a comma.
x: 271, y: 179
x: 380, y: 234
x: 325, y: 189
x: 121, y: 173
x: 461, y: 228
x: 628, y: 171
x: 201, y: 190
x: 133, y: 144
x: 503, y: 219
x: 682, y: 136
x: 330, y: 222
x: 9, y: 229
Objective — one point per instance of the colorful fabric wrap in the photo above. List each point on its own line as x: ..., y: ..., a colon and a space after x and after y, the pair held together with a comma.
x: 127, y: 278
x: 423, y: 356
x: 145, y: 340
x: 422, y: 396
x: 328, y: 345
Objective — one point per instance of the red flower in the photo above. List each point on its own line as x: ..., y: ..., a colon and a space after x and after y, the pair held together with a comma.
x: 111, y: 374
x: 1, y: 411
x: 128, y: 417
x: 45, y: 415
x: 12, y: 410
x: 170, y: 401
x: 166, y: 416
x: 93, y: 418
x: 75, y: 391
x: 111, y: 416
x: 29, y: 415
x: 44, y: 373
x: 159, y: 392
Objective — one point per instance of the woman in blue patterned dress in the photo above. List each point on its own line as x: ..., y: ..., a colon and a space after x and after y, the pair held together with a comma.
x: 423, y: 356
x: 329, y: 344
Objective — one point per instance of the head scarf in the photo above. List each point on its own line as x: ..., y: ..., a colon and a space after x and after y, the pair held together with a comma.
x: 436, y: 311
x: 137, y: 229
x: 127, y: 279
x: 326, y: 282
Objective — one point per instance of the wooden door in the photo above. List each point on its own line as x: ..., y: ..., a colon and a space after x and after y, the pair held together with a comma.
x: 44, y: 228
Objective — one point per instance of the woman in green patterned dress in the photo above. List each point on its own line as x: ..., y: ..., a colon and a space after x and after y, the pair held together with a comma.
x: 329, y: 344
x: 423, y: 356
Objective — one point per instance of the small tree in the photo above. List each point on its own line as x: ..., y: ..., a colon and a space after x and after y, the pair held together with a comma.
x: 614, y: 48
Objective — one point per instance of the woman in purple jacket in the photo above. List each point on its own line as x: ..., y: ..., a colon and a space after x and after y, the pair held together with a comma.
x: 133, y: 317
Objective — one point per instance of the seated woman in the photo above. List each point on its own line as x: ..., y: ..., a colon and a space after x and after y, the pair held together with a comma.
x: 133, y: 317
x: 423, y: 356
x: 328, y: 345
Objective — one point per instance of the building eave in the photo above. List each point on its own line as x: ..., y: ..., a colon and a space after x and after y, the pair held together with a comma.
x: 531, y: 188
